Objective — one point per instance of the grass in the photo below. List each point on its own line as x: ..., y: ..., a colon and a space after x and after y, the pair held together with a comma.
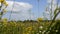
x: 22, y: 27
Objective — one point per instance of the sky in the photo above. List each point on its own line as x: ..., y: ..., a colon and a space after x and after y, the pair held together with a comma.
x: 26, y: 9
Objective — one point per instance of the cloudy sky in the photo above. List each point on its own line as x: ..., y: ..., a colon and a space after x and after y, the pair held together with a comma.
x: 26, y: 9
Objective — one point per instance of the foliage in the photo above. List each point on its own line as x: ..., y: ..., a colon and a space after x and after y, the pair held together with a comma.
x: 3, y: 3
x: 12, y: 27
x: 56, y: 26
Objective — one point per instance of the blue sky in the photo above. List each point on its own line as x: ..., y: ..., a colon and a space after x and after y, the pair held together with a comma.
x: 34, y: 10
x: 42, y: 4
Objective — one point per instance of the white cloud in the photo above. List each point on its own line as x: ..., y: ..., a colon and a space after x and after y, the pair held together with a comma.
x: 21, y: 7
x: 18, y: 6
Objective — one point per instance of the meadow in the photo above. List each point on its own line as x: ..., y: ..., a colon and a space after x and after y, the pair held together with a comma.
x: 20, y: 27
x: 29, y: 27
x: 40, y: 26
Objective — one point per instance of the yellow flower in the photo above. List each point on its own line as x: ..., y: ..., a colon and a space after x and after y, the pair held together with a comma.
x: 39, y: 19
x: 29, y: 28
x: 1, y: 0
x: 4, y: 2
x: 27, y: 33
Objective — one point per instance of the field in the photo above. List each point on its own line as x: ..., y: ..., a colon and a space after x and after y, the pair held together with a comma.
x: 19, y: 27
x: 40, y: 17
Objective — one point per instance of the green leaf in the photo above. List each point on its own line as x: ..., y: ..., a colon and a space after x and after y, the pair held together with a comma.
x: 55, y: 11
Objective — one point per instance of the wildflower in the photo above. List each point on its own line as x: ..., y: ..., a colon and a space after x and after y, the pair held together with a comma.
x: 29, y: 28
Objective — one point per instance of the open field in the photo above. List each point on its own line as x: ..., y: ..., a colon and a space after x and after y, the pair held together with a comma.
x: 22, y: 28
x: 27, y: 27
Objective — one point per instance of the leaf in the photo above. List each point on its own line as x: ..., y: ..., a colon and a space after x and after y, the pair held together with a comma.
x: 4, y: 10
x: 0, y: 6
x: 55, y: 11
